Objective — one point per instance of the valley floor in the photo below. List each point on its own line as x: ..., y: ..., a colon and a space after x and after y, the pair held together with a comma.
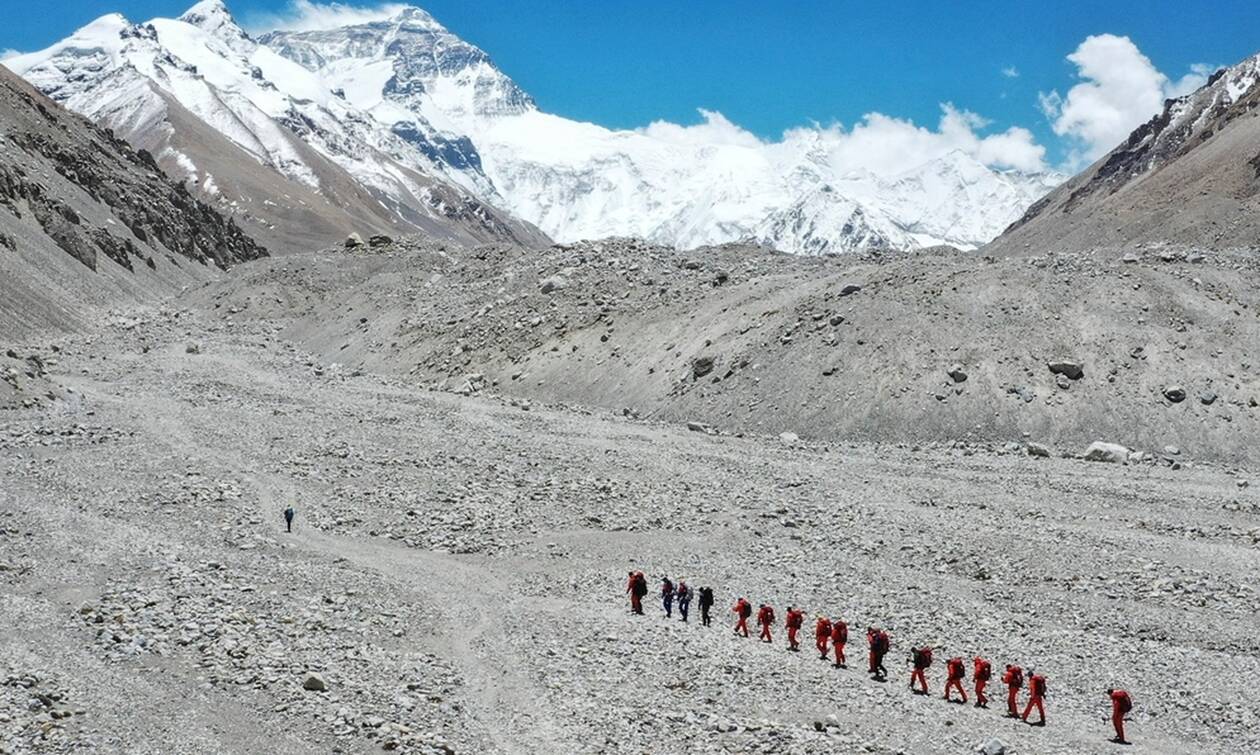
x: 455, y: 576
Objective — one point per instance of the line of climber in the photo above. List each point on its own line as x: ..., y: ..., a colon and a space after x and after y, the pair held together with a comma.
x: 831, y: 636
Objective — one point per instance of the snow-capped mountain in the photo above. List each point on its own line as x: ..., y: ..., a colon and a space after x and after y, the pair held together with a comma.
x: 214, y: 106
x: 1188, y: 176
x: 578, y: 180
x: 400, y: 122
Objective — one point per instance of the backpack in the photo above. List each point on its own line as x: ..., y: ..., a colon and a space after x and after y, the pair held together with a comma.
x: 922, y: 658
x: 956, y: 669
x: 1038, y: 686
x: 640, y: 585
x: 706, y: 596
x: 881, y: 643
x: 745, y: 610
x: 840, y: 632
x: 1126, y: 703
x: 983, y: 671
x: 1015, y: 677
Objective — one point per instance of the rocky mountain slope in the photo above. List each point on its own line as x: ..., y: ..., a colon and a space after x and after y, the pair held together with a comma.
x: 261, y: 138
x: 1190, y: 175
x: 1150, y: 351
x: 454, y: 581
x: 85, y: 220
x: 581, y: 181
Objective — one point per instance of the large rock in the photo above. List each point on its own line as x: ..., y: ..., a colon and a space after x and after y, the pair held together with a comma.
x: 354, y: 241
x: 1068, y: 368
x: 957, y: 373
x: 379, y: 240
x: 993, y: 746
x: 1175, y: 393
x: 554, y: 283
x: 314, y: 683
x: 1038, y: 450
x: 1113, y: 453
x: 702, y: 366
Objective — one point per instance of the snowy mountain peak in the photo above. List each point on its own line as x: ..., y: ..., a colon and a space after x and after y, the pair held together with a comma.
x: 207, y: 14
x: 416, y: 19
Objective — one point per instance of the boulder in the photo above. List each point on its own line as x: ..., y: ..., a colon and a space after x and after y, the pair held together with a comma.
x: 314, y: 683
x: 1067, y: 368
x: 378, y: 240
x: 354, y: 241
x: 850, y: 289
x: 192, y: 348
x: 554, y: 283
x: 992, y: 746
x: 1038, y: 450
x: 789, y: 439
x: 702, y: 366
x: 957, y: 373
x: 1175, y: 393
x: 1207, y: 398
x: 1113, y: 453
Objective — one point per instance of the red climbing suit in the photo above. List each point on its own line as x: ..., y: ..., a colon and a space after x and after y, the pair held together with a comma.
x: 1013, y: 679
x: 636, y: 592
x: 922, y: 659
x: 1036, y: 693
x: 822, y: 633
x: 795, y: 620
x: 1121, y: 704
x: 765, y: 617
x: 742, y: 609
x: 982, y: 672
x: 839, y: 636
x: 957, y: 671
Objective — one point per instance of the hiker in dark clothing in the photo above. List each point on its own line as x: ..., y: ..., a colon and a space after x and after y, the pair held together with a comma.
x: 667, y: 596
x: 288, y: 519
x: 706, y: 602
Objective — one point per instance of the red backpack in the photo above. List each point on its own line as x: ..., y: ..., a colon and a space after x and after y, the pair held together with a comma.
x: 1037, y: 685
x: 1125, y: 704
x: 840, y: 632
x: 956, y: 670
x: 983, y: 671
x: 1014, y: 677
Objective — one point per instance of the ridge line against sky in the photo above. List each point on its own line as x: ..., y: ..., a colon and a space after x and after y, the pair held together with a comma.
x: 1017, y: 85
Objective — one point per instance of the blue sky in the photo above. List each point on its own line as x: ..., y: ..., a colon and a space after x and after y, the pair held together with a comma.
x: 769, y: 66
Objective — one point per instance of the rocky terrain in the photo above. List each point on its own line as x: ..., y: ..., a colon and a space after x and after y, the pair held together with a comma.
x: 85, y: 220
x: 1150, y: 348
x: 454, y: 582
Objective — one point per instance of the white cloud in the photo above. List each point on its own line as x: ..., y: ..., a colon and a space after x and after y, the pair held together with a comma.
x: 887, y: 146
x: 1119, y: 90
x: 878, y: 143
x: 716, y: 129
x: 1010, y: 72
x: 307, y: 15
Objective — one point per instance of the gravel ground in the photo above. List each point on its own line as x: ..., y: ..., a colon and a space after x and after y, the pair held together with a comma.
x: 454, y: 582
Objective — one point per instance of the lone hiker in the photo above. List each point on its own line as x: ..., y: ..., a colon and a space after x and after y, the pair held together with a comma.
x: 956, y: 672
x: 1036, y: 696
x: 683, y: 595
x: 1014, y: 680
x: 839, y: 637
x: 636, y: 586
x: 706, y: 602
x: 921, y: 659
x: 765, y: 617
x: 742, y: 609
x: 822, y: 634
x: 667, y: 596
x: 289, y: 513
x: 1121, y: 704
x: 981, y: 672
x: 795, y: 620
